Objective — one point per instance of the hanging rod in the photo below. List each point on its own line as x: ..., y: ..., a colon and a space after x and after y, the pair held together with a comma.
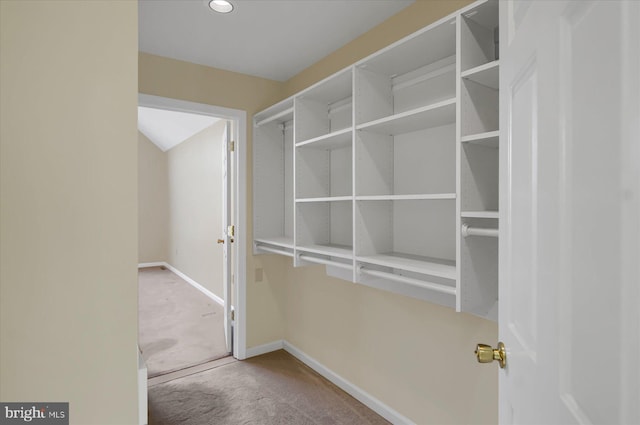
x: 409, y: 281
x: 323, y: 261
x: 273, y: 250
x: 478, y: 231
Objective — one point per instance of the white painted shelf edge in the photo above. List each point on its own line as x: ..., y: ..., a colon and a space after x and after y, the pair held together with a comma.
x: 417, y: 197
x: 330, y: 250
x: 480, y: 214
x: 419, y: 113
x: 275, y: 117
x: 480, y: 73
x: 480, y: 136
x: 332, y: 140
x: 325, y: 199
x: 280, y: 241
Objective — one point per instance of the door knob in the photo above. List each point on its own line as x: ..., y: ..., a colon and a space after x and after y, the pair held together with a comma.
x: 220, y: 240
x: 487, y: 354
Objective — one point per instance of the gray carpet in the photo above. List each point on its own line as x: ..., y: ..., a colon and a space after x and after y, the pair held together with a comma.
x: 272, y: 389
x: 178, y: 325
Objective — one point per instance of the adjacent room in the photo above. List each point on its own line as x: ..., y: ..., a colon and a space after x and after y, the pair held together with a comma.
x: 181, y: 265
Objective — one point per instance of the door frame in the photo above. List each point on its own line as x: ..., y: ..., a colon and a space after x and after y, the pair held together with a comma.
x: 239, y: 182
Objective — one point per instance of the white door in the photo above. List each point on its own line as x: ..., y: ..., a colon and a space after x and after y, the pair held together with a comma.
x: 570, y: 216
x: 228, y: 237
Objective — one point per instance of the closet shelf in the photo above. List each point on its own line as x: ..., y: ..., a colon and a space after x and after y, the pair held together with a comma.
x: 424, y: 265
x: 418, y: 197
x: 286, y: 115
x: 334, y: 140
x: 429, y: 116
x: 490, y: 139
x: 280, y: 241
x: 480, y: 214
x: 332, y: 250
x: 486, y: 74
x: 325, y: 199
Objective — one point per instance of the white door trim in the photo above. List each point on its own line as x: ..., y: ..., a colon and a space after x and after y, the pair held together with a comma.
x: 239, y: 119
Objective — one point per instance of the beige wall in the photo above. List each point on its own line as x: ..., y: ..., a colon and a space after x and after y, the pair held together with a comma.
x: 68, y: 215
x: 407, y: 21
x: 153, y: 202
x: 195, y: 205
x: 175, y: 79
x: 414, y: 356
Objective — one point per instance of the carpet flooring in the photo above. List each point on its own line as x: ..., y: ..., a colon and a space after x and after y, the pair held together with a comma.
x: 272, y: 389
x: 179, y: 326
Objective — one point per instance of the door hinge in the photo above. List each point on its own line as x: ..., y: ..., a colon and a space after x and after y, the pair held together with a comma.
x: 232, y: 146
x: 233, y: 315
x: 231, y: 230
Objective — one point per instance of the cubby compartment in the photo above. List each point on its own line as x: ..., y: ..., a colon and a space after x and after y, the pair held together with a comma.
x: 324, y: 168
x: 479, y: 267
x: 479, y: 182
x: 478, y: 109
x: 479, y: 36
x: 325, y: 109
x: 273, y: 179
x: 416, y: 76
x: 325, y: 228
x: 417, y: 236
x: 417, y: 164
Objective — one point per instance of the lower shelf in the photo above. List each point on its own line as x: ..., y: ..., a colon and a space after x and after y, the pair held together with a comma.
x: 332, y: 250
x: 276, y: 245
x: 424, y: 265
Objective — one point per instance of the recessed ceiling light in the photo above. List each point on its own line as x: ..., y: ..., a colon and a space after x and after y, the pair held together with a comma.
x: 221, y: 6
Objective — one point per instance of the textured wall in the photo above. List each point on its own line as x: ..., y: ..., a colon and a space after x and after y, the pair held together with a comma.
x: 68, y: 216
x: 153, y: 199
x: 195, y: 205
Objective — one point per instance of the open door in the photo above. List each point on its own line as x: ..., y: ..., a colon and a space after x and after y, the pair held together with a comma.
x: 228, y: 231
x: 569, y: 212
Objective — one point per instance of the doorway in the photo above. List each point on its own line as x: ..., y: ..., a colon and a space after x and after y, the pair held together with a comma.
x: 232, y: 292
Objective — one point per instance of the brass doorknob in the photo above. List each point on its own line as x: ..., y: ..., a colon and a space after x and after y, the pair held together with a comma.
x: 220, y: 240
x: 487, y: 354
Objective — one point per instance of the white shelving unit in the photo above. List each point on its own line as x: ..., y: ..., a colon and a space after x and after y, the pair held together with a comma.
x: 273, y: 221
x: 374, y: 170
x: 478, y: 127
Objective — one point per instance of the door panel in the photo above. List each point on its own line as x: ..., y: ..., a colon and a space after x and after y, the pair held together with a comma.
x: 570, y: 216
x: 227, y: 202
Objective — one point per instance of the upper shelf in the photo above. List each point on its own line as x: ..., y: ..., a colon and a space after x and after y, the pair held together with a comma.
x: 487, y: 74
x: 489, y: 139
x: 429, y: 116
x: 430, y: 45
x: 337, y: 139
x: 280, y: 112
x: 424, y: 265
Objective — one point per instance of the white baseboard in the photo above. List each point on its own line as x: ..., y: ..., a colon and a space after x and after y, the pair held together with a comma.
x: 265, y: 348
x: 156, y: 264
x: 356, y: 392
x: 192, y: 282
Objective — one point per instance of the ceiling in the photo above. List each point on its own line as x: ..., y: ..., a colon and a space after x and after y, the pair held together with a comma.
x: 167, y: 129
x: 274, y: 39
